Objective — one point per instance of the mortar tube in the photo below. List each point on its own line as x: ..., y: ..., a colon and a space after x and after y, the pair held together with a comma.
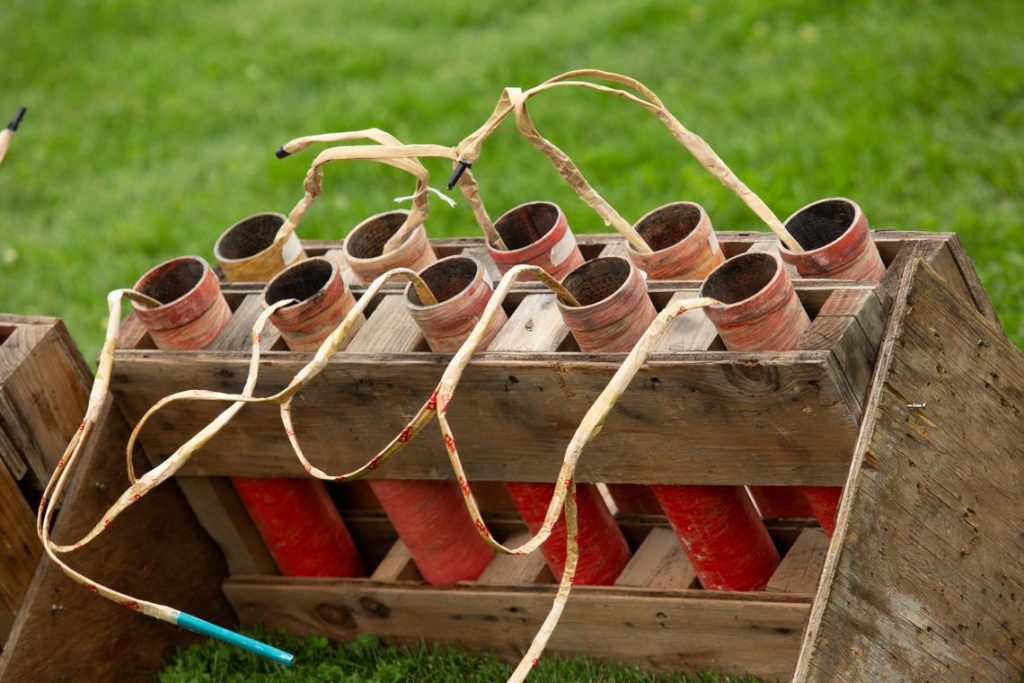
x: 247, y: 252
x: 364, y: 247
x: 295, y: 517
x: 683, y: 243
x: 430, y: 516
x: 615, y: 312
x: 322, y: 301
x: 721, y: 530
x: 837, y: 239
x: 536, y: 233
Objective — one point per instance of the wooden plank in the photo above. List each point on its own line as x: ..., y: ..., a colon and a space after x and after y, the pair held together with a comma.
x: 397, y: 565
x: 772, y: 247
x: 156, y: 551
x: 692, y: 331
x: 800, y: 569
x: 658, y: 630
x: 389, y: 327
x: 337, y: 257
x: 531, y: 406
x: 480, y: 254
x: 237, y: 334
x: 19, y: 550
x: 659, y: 562
x: 535, y: 325
x: 924, y: 578
x: 515, y: 570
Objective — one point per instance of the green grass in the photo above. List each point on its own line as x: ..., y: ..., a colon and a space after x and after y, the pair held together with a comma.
x: 366, y: 660
x: 152, y: 125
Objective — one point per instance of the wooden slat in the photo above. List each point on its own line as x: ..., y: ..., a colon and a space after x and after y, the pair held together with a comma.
x: 389, y: 327
x: 397, y: 565
x: 480, y: 254
x: 535, y: 325
x: 659, y: 562
x: 337, y: 257
x: 156, y: 551
x: 692, y: 331
x: 237, y: 334
x: 531, y: 406
x: 924, y: 578
x: 800, y: 569
x: 19, y: 550
x: 679, y: 630
x: 516, y: 570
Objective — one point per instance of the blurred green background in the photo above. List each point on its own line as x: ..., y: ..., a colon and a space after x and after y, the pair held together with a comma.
x: 152, y: 125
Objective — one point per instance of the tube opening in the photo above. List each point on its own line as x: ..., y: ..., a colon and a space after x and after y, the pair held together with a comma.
x: 524, y: 225
x: 821, y: 223
x: 172, y: 280
x: 668, y: 225
x: 368, y: 240
x: 446, y: 279
x: 741, y: 277
x: 302, y: 281
x: 597, y: 280
x: 249, y: 236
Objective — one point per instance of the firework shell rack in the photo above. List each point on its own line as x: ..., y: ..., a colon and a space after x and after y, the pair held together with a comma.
x: 908, y: 393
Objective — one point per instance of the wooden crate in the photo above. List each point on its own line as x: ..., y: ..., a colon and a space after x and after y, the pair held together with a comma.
x: 920, y: 582
x: 62, y: 632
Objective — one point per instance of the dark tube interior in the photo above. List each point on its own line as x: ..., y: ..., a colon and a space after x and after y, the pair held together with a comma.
x: 739, y: 278
x: 525, y: 225
x: 301, y: 282
x: 249, y: 237
x: 446, y: 278
x: 822, y: 223
x: 369, y: 239
x: 597, y: 280
x: 668, y: 225
x: 173, y: 280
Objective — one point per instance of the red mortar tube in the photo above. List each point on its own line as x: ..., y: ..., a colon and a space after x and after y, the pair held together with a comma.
x: 296, y: 518
x: 684, y: 244
x: 614, y: 313
x: 364, y: 247
x: 838, y: 244
x: 536, y: 233
x: 322, y: 301
x: 721, y: 530
x: 430, y: 516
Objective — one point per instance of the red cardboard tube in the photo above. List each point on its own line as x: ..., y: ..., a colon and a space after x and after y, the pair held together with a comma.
x: 684, y: 245
x: 364, y: 247
x: 322, y: 301
x: 300, y: 525
x: 536, y: 233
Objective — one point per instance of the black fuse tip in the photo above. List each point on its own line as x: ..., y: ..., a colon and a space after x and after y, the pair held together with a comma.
x: 281, y: 153
x: 457, y: 173
x: 16, y: 121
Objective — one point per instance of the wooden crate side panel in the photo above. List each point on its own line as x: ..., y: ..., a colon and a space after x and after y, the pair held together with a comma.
x: 925, y: 578
x: 19, y: 550
x: 658, y: 631
x: 156, y: 550
x: 507, y: 409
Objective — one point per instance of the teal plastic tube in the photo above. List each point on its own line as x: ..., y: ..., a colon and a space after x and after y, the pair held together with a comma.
x: 205, y: 628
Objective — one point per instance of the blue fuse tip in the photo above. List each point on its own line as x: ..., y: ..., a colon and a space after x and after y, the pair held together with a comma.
x: 206, y: 628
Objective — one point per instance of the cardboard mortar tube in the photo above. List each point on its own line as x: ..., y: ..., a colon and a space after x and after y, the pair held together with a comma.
x: 760, y: 310
x: 838, y: 245
x: 615, y: 310
x: 430, y: 516
x: 323, y: 301
x: 296, y: 518
x: 246, y: 251
x: 363, y: 247
x: 536, y: 233
x: 684, y: 244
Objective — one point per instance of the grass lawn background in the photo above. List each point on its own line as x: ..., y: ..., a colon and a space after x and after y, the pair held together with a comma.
x: 152, y: 125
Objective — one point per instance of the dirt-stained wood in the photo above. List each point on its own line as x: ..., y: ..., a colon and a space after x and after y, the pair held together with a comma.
x: 156, y: 551
x: 925, y: 579
x: 659, y: 630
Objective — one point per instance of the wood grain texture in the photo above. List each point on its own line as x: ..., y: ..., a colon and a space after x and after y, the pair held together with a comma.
x: 19, y: 550
x: 514, y: 403
x: 516, y: 570
x: 237, y: 334
x: 157, y: 551
x: 397, y: 565
x: 388, y: 326
x: 801, y: 566
x: 535, y: 325
x: 658, y: 630
x: 925, y: 579
x: 659, y: 562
